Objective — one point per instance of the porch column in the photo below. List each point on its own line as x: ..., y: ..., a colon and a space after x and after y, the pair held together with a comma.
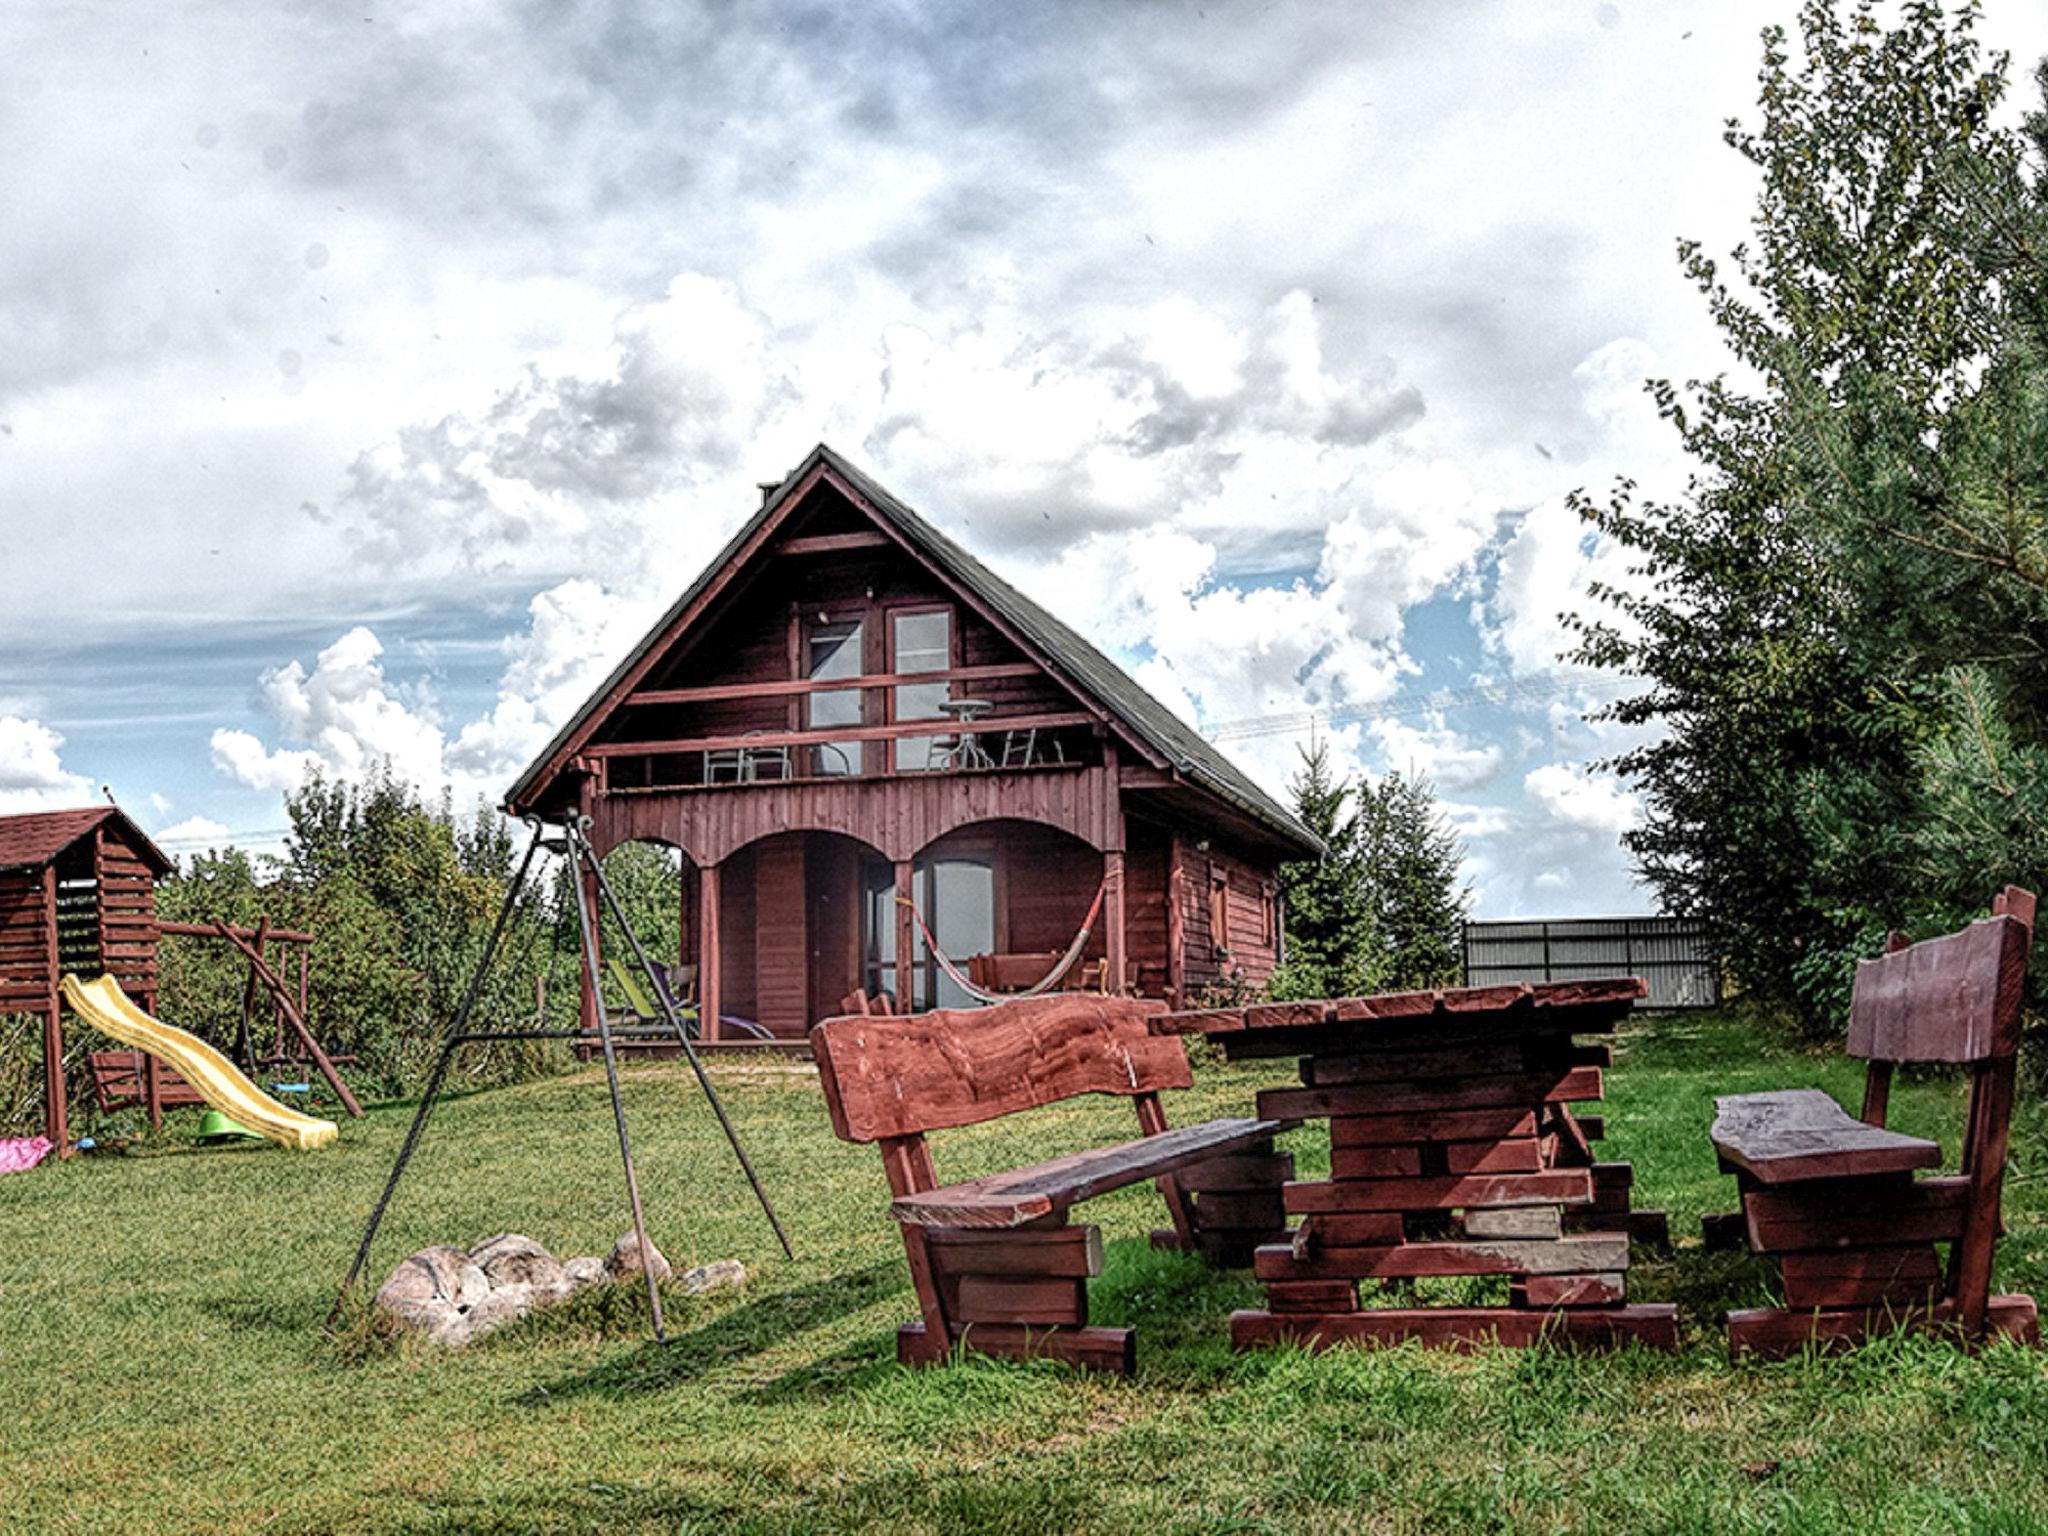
x: 591, y: 1000
x: 710, y: 999
x: 906, y: 938
x: 1113, y: 920
x: 1176, y: 925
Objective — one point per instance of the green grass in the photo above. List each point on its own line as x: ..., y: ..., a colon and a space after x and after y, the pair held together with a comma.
x: 163, y: 1365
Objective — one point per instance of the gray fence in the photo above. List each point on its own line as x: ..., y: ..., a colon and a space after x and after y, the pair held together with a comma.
x: 1670, y: 953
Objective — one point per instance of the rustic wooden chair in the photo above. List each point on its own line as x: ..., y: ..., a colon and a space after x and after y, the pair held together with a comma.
x: 1837, y: 1199
x: 994, y: 1263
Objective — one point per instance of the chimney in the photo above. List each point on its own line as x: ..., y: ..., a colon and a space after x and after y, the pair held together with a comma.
x: 768, y: 490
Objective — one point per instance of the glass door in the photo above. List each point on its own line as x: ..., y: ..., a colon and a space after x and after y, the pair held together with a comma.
x: 831, y: 652
x: 920, y: 642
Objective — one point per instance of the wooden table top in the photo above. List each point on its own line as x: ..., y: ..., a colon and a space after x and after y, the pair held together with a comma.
x: 1524, y: 1007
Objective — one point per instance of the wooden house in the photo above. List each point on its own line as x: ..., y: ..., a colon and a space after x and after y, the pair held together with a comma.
x: 848, y: 724
x: 77, y: 896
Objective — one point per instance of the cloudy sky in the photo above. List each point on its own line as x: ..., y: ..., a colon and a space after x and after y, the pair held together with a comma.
x: 370, y: 376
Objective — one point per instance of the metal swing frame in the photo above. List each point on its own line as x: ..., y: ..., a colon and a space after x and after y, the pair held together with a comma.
x: 573, y: 843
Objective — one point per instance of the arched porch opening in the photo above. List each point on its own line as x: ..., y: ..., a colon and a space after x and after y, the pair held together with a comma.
x: 790, y: 930
x: 1005, y: 899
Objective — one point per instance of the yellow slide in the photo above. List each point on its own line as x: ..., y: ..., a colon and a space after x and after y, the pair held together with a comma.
x: 102, y: 1004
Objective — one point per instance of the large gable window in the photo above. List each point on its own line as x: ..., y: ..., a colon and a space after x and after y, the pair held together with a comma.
x: 920, y: 640
x: 832, y: 651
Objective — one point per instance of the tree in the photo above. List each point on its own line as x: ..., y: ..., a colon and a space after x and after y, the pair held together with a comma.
x: 1409, y: 858
x: 1332, y: 949
x: 1798, y: 646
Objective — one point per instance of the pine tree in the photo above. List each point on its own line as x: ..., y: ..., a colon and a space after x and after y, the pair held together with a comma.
x: 1409, y: 857
x: 1332, y: 949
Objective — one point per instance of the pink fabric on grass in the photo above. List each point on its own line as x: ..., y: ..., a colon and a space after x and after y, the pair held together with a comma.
x: 18, y: 1154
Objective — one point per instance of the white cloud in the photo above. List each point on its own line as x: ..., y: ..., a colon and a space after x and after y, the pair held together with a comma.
x: 32, y: 773
x: 193, y: 833
x: 1576, y: 798
x: 1449, y: 759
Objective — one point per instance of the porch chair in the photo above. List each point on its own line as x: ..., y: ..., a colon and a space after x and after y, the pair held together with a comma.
x: 1836, y: 1199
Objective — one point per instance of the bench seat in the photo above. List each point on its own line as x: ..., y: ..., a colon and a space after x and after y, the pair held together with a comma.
x: 1024, y: 1195
x: 1802, y: 1133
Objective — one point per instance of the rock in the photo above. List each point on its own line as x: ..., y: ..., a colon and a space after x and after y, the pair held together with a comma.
x: 505, y: 1304
x: 624, y: 1264
x: 581, y: 1274
x: 511, y: 1259
x: 715, y: 1276
x: 433, y: 1292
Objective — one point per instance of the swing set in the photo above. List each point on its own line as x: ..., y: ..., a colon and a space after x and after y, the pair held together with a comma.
x: 570, y: 840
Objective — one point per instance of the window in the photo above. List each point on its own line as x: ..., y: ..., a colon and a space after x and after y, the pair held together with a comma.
x: 1219, y: 908
x: 833, y: 651
x: 957, y: 899
x: 919, y: 642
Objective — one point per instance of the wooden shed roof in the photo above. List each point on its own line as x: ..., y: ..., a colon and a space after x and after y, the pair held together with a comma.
x: 1158, y: 728
x: 31, y: 840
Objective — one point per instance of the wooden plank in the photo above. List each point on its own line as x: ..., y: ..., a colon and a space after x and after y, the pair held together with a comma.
x: 1286, y: 1015
x: 1026, y: 1194
x: 1522, y: 1154
x: 1349, y: 1229
x: 893, y: 731
x: 1592, y: 1253
x: 1020, y: 1299
x: 1071, y: 1252
x: 904, y: 1075
x: 1569, y: 1290
x: 1096, y: 1349
x: 1548, y: 1007
x: 1861, y: 1277
x: 1527, y: 1221
x: 1558, y: 1186
x: 1772, y: 1333
x: 1239, y: 1171
x: 1926, y: 1211
x: 801, y: 687
x: 1425, y: 1098
x: 833, y: 543
x: 1797, y: 1134
x: 1462, y: 1328
x: 1954, y: 998
x: 1312, y: 1296
x: 1469, y: 1060
x: 1375, y: 1162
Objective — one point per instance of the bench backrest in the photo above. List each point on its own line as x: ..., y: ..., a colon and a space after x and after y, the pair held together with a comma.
x: 904, y: 1076
x: 1956, y: 998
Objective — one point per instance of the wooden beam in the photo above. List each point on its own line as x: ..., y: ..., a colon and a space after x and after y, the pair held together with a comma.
x: 906, y: 937
x: 1113, y: 922
x: 832, y: 543
x: 899, y: 729
x: 710, y: 977
x: 213, y: 931
x: 55, y: 1123
x: 775, y: 688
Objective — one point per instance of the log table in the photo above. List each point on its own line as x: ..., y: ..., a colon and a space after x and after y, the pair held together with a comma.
x: 1453, y: 1151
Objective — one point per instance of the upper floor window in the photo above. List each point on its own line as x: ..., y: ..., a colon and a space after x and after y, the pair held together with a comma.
x: 920, y: 640
x: 832, y: 651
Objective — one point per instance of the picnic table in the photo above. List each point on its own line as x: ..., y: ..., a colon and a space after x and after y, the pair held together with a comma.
x: 1453, y: 1151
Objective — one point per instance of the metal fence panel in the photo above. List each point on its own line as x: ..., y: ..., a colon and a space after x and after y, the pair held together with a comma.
x: 1671, y: 954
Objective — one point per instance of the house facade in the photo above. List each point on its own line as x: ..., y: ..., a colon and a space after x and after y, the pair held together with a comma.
x: 855, y: 733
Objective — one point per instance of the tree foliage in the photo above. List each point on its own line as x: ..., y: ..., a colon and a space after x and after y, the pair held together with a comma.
x: 1841, y: 621
x: 1333, y: 949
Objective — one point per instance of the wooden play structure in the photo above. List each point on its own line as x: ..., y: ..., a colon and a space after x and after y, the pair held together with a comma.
x: 1837, y: 1200
x: 78, y: 897
x: 996, y: 1267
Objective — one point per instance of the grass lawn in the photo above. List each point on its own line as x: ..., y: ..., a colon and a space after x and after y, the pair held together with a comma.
x: 163, y: 1365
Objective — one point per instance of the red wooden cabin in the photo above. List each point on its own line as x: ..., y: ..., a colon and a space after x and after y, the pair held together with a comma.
x: 77, y: 894
x: 845, y: 709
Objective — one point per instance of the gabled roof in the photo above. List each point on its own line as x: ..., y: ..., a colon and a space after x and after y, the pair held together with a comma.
x: 1084, y: 667
x: 32, y: 840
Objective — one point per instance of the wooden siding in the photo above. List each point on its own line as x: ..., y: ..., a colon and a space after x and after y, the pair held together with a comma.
x: 781, y: 948
x: 25, y: 933
x: 1252, y: 942
x: 895, y: 816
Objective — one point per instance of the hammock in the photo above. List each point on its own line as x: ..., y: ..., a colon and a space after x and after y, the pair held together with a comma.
x: 1045, y: 983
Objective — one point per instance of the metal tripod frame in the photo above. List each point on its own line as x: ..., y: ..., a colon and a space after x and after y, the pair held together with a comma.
x: 574, y: 844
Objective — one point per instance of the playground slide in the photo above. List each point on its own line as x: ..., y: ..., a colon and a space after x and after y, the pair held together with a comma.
x: 102, y: 1004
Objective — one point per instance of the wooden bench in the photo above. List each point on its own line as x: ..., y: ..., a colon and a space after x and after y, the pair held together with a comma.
x: 994, y: 1263
x: 1836, y: 1199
